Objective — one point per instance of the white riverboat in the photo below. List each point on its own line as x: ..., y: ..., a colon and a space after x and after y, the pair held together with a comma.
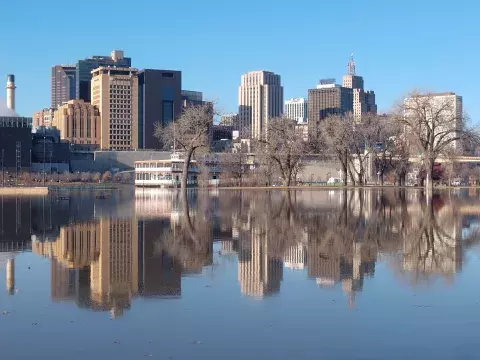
x: 164, y: 173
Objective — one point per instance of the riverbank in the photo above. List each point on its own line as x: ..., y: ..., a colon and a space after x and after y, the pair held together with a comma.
x: 27, y: 190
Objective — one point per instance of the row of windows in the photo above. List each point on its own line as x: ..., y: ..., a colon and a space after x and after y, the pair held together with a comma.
x: 119, y: 111
x: 114, y: 86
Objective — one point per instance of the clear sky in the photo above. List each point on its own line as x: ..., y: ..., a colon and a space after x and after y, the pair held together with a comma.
x: 399, y: 45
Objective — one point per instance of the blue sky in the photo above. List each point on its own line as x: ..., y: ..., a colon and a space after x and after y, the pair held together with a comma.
x: 398, y: 45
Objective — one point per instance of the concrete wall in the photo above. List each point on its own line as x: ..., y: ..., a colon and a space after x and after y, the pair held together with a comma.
x: 320, y: 170
x: 122, y: 160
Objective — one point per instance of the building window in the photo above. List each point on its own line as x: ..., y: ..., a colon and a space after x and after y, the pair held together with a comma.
x: 167, y: 112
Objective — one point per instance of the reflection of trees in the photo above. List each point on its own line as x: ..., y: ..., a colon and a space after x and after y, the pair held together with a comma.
x: 432, y: 243
x: 189, y: 239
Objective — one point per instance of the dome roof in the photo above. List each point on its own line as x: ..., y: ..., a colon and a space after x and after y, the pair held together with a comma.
x: 5, y: 111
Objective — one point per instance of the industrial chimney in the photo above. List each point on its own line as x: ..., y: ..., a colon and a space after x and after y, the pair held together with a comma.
x: 11, y: 92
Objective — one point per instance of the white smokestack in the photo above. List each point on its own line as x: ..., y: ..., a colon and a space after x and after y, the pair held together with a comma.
x: 11, y: 92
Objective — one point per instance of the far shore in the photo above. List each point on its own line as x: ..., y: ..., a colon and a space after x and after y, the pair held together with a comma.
x: 39, y: 189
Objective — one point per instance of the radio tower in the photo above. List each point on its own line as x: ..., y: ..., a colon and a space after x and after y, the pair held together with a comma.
x: 351, y: 66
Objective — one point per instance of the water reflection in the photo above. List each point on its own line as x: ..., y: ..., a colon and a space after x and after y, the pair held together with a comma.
x: 105, y: 253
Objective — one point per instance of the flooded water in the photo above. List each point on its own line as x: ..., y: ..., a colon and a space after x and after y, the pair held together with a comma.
x: 365, y: 274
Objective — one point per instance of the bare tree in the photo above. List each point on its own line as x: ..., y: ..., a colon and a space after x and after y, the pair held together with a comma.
x: 434, y: 125
x: 401, y: 161
x: 364, y: 138
x: 117, y: 177
x: 107, y: 176
x: 191, y: 131
x: 96, y: 177
x: 283, y: 146
x: 453, y: 167
x: 126, y: 178
x: 85, y: 177
x: 388, y: 132
x: 337, y: 133
x: 234, y: 166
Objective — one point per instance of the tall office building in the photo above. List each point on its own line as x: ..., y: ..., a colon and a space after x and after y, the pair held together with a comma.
x: 78, y: 122
x: 327, y: 99
x: 260, y: 98
x: 296, y: 109
x: 63, y: 84
x: 115, y: 93
x: 85, y: 67
x: 160, y: 101
x: 363, y: 101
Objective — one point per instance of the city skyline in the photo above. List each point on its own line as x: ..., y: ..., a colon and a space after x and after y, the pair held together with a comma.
x: 387, y: 56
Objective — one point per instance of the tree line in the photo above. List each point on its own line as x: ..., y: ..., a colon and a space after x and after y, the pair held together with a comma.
x: 423, y: 126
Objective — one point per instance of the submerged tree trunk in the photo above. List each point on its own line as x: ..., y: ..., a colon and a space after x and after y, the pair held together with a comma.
x: 344, y: 162
x: 429, y: 175
x: 186, y: 165
x: 352, y: 176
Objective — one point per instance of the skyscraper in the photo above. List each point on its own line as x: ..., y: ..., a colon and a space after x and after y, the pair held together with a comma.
x: 297, y: 109
x: 85, y: 67
x: 63, y: 84
x: 363, y: 101
x: 160, y: 101
x: 115, y: 93
x: 327, y: 99
x: 260, y: 98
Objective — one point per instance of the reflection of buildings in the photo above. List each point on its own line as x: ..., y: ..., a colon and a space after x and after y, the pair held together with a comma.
x: 95, y: 263
x: 259, y: 273
x: 114, y: 276
x: 350, y: 270
x: 296, y: 257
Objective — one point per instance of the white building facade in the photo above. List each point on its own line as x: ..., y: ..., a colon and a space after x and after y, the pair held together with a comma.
x: 260, y: 98
x: 448, y: 110
x: 296, y: 109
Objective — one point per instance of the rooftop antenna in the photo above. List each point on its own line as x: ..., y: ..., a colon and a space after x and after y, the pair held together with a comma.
x: 351, y: 66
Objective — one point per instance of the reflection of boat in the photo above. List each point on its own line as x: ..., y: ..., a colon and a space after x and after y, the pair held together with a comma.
x: 102, y: 197
x: 62, y: 198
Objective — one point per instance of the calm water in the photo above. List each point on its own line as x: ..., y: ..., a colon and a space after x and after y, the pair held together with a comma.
x: 241, y: 275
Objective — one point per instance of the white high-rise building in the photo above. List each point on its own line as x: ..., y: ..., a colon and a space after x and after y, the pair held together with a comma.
x: 450, y: 106
x: 260, y: 98
x: 296, y: 109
